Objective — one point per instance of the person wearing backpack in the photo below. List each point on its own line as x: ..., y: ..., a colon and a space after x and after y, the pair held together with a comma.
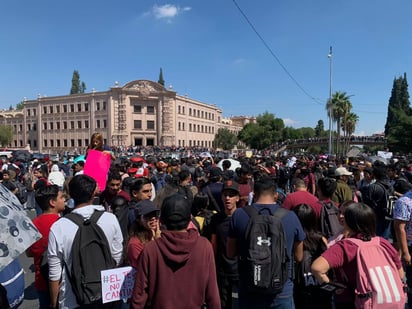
x: 52, y: 202
x: 368, y: 267
x: 377, y: 197
x: 282, y: 245
x: 71, y: 284
x: 307, y: 292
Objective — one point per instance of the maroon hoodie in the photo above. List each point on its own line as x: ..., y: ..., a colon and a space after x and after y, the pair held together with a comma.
x: 176, y: 271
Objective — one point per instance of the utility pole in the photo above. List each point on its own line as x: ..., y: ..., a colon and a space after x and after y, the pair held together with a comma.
x: 330, y: 101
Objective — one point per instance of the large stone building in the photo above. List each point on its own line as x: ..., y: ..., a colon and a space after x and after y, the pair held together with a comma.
x: 141, y: 113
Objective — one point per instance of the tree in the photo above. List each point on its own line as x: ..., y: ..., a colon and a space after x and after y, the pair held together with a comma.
x: 20, y: 106
x: 77, y: 85
x: 161, y: 81
x: 341, y: 107
x: 320, y: 129
x: 348, y: 128
x: 225, y: 139
x: 6, y: 135
x: 399, y: 110
x: 266, y: 131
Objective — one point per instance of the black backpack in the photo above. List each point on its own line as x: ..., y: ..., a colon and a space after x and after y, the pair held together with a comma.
x: 90, y: 255
x: 267, y: 262
x: 329, y: 220
x: 22, y: 192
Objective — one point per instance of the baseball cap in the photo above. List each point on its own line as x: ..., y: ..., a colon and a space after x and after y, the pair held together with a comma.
x: 175, y: 212
x: 342, y: 171
x: 231, y: 185
x: 145, y: 207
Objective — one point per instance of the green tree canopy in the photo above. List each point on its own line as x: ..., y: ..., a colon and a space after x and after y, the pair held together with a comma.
x: 320, y: 129
x: 266, y: 131
x: 161, y: 81
x: 77, y: 85
x: 6, y: 135
x: 225, y: 139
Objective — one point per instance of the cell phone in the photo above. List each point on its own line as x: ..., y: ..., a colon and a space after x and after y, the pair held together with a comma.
x: 332, y: 286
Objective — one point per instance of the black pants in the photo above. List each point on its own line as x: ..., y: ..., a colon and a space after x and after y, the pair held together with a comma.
x: 228, y: 291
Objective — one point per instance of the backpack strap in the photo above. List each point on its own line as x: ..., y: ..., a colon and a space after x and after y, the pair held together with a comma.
x: 251, y: 211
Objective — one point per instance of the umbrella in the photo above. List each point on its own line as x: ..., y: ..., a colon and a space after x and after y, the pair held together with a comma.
x: 205, y: 154
x: 372, y: 159
x: 79, y: 158
x: 234, y: 164
x: 17, y: 231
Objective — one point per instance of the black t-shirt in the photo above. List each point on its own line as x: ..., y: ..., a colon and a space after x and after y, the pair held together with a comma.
x: 219, y: 226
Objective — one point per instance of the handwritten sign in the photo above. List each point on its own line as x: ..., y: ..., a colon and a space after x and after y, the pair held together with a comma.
x: 117, y: 284
x: 97, y: 166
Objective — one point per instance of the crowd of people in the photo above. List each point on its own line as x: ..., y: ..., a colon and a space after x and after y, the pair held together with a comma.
x: 183, y: 224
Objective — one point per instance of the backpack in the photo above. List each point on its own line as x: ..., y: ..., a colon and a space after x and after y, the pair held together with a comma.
x: 329, y: 220
x: 388, y: 203
x: 303, y: 273
x: 266, y: 263
x: 90, y: 255
x: 378, y: 284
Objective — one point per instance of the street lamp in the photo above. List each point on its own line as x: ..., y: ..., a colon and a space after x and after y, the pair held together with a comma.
x: 330, y: 101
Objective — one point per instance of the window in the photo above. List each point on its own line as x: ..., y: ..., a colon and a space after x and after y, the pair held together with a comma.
x: 58, y: 125
x: 21, y: 127
x: 137, y: 108
x: 104, y: 123
x: 71, y: 124
x: 65, y: 108
x: 97, y: 106
x: 72, y: 142
x: 35, y: 143
x: 79, y: 143
x: 34, y: 112
x: 28, y: 112
x: 150, y: 110
x: 179, y: 126
x: 178, y: 109
x: 21, y: 143
x: 79, y: 124
x: 183, y: 112
x: 79, y: 107
x: 51, y: 143
x: 137, y: 124
x: 44, y: 110
x: 97, y: 123
x: 202, y: 114
x: 45, y: 143
x: 138, y: 142
x: 51, y: 126
x: 104, y: 105
x: 34, y: 127
x: 190, y: 127
x: 190, y: 112
x: 183, y: 126
x: 51, y: 109
x: 65, y: 142
x: 198, y: 113
x: 150, y: 142
x: 58, y: 143
x: 72, y: 108
x: 44, y: 125
x: 86, y: 107
x: 150, y: 124
x: 65, y: 125
x: 58, y: 109
x: 86, y: 124
x: 86, y: 142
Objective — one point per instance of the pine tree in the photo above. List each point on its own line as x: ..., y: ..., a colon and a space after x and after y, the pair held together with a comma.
x: 77, y: 85
x: 161, y: 81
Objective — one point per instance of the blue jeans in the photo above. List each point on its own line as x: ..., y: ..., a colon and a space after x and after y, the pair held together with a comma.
x: 264, y: 302
x: 44, y: 299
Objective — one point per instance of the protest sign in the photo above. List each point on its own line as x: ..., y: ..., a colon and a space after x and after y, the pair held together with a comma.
x: 97, y: 166
x: 117, y: 283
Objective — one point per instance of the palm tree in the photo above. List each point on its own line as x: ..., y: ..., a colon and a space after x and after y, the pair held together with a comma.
x: 341, y: 106
x: 349, y: 128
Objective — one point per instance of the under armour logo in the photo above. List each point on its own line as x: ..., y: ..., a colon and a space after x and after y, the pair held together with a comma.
x: 261, y: 241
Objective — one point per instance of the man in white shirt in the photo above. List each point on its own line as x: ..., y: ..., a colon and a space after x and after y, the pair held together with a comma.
x: 82, y: 189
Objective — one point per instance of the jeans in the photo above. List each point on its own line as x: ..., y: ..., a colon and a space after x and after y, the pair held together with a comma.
x: 44, y: 299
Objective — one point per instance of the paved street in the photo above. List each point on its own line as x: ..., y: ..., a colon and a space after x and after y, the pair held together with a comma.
x: 30, y: 294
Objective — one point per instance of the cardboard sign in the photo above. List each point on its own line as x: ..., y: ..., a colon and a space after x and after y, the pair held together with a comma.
x: 17, y: 231
x: 117, y: 283
x: 97, y: 166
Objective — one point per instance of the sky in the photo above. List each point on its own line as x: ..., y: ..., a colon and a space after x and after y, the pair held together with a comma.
x: 247, y: 57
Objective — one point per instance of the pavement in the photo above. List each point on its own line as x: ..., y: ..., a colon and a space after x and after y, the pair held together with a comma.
x: 30, y: 294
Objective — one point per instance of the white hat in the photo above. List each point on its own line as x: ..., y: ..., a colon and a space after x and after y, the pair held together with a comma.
x: 342, y: 171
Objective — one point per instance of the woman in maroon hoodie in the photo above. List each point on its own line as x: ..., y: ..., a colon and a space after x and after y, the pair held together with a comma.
x: 178, y: 269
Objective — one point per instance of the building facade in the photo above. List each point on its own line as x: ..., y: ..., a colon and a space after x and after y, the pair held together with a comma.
x: 140, y: 113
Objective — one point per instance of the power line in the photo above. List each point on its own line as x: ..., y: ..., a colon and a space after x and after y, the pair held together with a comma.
x: 276, y: 57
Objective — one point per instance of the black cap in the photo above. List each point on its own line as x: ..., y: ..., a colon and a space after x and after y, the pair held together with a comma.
x: 231, y: 185
x: 145, y: 207
x: 176, y: 212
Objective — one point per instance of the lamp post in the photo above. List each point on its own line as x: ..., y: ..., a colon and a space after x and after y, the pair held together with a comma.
x: 330, y: 101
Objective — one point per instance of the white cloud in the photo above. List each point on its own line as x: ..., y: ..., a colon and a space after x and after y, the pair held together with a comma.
x: 239, y: 61
x: 289, y: 122
x: 167, y: 11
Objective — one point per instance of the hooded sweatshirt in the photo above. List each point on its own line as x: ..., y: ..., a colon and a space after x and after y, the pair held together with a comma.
x: 176, y: 271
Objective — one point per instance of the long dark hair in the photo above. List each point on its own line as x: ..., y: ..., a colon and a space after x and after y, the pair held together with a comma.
x: 307, y: 217
x: 361, y: 219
